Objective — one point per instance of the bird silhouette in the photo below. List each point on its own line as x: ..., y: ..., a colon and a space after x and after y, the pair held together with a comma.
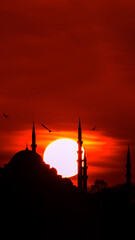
x: 5, y: 115
x: 45, y: 127
x: 93, y: 129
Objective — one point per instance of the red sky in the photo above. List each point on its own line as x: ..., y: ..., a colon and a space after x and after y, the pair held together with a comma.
x: 65, y: 59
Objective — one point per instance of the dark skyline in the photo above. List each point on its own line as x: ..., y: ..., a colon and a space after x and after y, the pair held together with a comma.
x: 45, y: 205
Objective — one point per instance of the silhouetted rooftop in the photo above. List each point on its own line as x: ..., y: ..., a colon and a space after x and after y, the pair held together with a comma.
x: 28, y: 167
x: 25, y: 157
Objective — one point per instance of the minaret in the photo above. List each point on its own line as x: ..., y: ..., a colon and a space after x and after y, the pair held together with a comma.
x: 128, y: 176
x: 27, y: 146
x: 33, y: 140
x: 85, y: 177
x: 80, y: 142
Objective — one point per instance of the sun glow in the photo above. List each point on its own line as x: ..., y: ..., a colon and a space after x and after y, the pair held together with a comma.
x: 62, y: 155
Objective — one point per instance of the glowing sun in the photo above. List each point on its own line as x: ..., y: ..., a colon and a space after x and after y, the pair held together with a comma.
x: 62, y: 155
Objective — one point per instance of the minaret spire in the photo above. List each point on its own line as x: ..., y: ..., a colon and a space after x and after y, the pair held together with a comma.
x: 85, y: 177
x: 128, y: 176
x: 26, y: 146
x: 33, y: 139
x: 80, y: 142
x: 79, y: 131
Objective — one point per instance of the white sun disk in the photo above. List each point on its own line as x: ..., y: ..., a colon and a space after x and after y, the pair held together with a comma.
x: 62, y: 155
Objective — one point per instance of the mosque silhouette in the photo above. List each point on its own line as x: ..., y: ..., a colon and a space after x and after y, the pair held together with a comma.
x: 38, y: 203
x: 27, y: 160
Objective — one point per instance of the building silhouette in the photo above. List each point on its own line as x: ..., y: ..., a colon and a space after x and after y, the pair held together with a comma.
x: 80, y: 152
x: 37, y: 203
x: 33, y: 139
x: 128, y: 176
x: 33, y: 197
x: 84, y: 173
x: 82, y: 163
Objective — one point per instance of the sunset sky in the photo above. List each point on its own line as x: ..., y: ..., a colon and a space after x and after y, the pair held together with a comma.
x: 65, y: 59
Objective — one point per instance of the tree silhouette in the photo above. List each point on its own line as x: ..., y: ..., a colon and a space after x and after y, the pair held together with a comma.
x: 98, y: 186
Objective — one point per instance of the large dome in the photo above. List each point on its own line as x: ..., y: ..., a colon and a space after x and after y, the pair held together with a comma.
x: 25, y: 159
x: 25, y: 156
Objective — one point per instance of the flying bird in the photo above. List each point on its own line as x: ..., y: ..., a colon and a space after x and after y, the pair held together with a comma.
x: 93, y: 129
x: 45, y: 127
x: 5, y: 115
